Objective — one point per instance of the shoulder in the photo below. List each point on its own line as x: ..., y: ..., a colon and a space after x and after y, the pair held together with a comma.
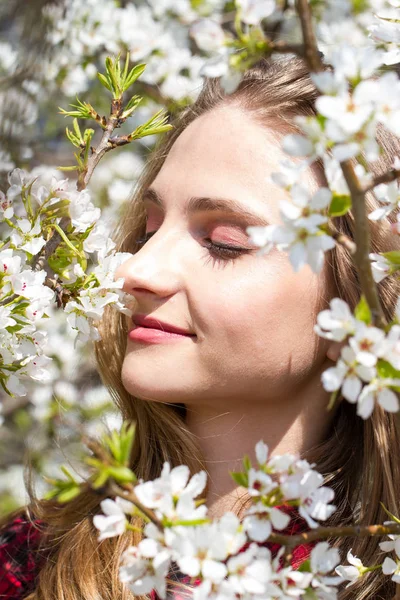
x: 20, y: 560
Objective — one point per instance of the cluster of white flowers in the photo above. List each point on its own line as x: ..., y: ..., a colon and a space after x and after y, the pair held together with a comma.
x: 157, y: 33
x: 282, y: 479
x: 31, y: 208
x: 390, y: 566
x: 23, y: 301
x: 356, y: 569
x: 370, y: 357
x: 302, y: 233
x: 225, y: 555
x: 352, y: 104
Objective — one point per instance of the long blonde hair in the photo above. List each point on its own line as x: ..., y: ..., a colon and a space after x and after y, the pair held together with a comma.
x: 359, y: 458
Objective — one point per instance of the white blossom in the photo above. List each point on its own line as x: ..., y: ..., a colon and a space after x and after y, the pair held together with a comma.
x: 198, y: 551
x: 145, y: 567
x: 260, y: 520
x: 381, y: 266
x: 114, y: 521
x: 208, y: 34
x: 250, y: 572
x: 352, y: 572
x: 82, y: 212
x: 253, y: 11
x: 378, y: 392
x: 28, y: 237
x: 323, y: 561
x: 259, y: 483
x: 394, y: 540
x: 261, y: 452
x: 391, y: 567
x: 337, y: 322
x: 305, y: 485
x: 172, y: 494
x: 367, y: 344
x: 388, y: 194
x: 348, y: 375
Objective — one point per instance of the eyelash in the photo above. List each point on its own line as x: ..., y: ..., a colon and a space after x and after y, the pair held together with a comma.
x: 218, y: 252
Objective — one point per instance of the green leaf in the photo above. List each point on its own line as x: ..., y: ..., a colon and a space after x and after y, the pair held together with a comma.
x: 77, y: 129
x: 72, y: 138
x: 67, y: 168
x: 393, y: 256
x: 246, y: 463
x: 68, y: 495
x: 191, y: 523
x: 395, y: 519
x: 105, y: 81
x: 131, y: 106
x: 332, y: 399
x: 67, y: 241
x: 386, y: 370
x: 362, y: 311
x: 87, y: 136
x: 112, y: 73
x: 83, y: 110
x: 127, y: 442
x: 122, y: 474
x: 239, y: 478
x: 156, y: 124
x: 340, y: 205
x: 101, y: 480
x: 305, y: 566
x: 124, y: 74
x: 134, y: 74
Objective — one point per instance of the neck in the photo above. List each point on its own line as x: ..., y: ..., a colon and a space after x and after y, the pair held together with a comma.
x: 225, y: 434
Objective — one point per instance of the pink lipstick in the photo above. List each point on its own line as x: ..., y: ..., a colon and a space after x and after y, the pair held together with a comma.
x: 154, y: 331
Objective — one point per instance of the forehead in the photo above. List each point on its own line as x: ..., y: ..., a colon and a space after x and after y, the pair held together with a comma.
x: 224, y: 153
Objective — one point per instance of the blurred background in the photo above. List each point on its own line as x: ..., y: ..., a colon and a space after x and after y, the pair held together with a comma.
x: 50, y: 52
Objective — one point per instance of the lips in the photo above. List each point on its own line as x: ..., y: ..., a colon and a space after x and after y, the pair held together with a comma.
x: 151, y: 323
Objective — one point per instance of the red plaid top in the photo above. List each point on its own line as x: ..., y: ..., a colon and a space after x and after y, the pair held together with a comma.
x: 20, y: 560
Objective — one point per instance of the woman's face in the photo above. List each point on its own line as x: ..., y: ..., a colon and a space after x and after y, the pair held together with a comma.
x: 250, y: 317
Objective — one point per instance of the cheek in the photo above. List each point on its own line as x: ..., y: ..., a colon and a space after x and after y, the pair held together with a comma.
x: 268, y: 308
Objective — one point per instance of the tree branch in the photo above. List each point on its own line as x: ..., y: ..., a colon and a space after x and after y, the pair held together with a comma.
x: 311, y: 51
x: 104, y: 145
x: 323, y: 533
x: 361, y: 225
x: 115, y: 490
x: 345, y: 241
x: 387, y: 177
x: 284, y: 48
x: 362, y: 239
x: 39, y: 261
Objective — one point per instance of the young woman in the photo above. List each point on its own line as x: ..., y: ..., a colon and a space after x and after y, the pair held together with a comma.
x: 244, y: 363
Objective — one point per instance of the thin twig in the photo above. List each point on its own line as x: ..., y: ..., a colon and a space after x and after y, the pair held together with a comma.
x: 345, y: 241
x: 104, y: 145
x: 387, y: 177
x: 289, y: 542
x: 125, y: 491
x: 324, y: 533
x: 284, y: 48
x: 115, y: 490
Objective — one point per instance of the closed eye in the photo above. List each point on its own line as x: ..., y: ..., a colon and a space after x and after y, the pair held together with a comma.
x: 217, y: 252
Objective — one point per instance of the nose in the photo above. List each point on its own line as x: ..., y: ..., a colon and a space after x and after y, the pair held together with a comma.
x: 155, y: 269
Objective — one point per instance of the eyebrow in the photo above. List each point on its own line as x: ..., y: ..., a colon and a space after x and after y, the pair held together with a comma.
x: 205, y: 204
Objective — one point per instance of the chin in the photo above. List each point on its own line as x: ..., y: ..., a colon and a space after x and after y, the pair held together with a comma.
x: 152, y: 384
